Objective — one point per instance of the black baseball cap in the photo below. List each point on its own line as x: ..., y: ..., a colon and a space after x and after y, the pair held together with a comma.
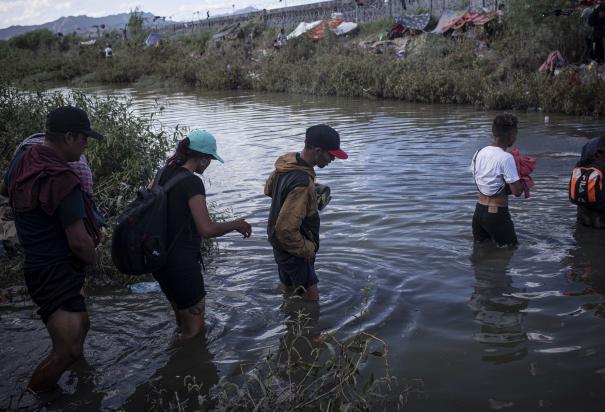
x: 323, y: 136
x: 70, y: 119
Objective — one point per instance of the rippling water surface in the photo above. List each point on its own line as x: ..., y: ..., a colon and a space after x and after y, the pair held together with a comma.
x: 482, y: 329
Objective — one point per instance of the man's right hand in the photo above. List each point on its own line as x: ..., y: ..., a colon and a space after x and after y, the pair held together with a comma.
x: 310, y: 254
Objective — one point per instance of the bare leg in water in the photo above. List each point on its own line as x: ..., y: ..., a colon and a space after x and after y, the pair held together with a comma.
x: 67, y: 331
x: 191, y: 319
x: 310, y: 294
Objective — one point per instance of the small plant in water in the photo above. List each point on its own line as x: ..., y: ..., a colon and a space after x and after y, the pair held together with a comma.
x: 309, y: 372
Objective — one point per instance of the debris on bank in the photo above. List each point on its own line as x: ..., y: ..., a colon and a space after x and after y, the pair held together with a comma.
x: 229, y: 32
x: 317, y: 30
x: 459, y: 22
x: 153, y: 40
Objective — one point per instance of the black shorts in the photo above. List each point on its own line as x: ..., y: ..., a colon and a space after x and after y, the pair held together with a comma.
x: 495, y: 224
x: 181, y: 280
x: 56, y: 286
x: 294, y: 271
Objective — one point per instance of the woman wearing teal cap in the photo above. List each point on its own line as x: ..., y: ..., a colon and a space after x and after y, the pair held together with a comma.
x: 181, y: 279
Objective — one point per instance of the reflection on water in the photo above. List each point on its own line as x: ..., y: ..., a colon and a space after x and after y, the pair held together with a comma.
x: 587, y: 265
x: 302, y: 330
x: 189, y: 364
x: 395, y: 246
x: 495, y: 309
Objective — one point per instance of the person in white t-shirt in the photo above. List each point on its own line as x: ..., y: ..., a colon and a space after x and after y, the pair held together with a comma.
x: 496, y: 177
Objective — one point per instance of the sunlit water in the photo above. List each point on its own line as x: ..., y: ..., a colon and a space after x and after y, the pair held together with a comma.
x: 483, y: 329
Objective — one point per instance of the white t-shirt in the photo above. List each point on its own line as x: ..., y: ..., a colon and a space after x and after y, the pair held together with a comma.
x: 492, y: 167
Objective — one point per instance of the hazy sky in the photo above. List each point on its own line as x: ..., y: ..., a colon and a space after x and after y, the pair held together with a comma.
x: 30, y: 12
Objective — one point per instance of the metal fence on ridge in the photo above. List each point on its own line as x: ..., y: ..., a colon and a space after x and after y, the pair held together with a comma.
x: 371, y: 10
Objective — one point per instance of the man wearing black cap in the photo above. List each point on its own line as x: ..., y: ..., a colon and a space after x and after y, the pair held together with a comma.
x: 57, y: 233
x: 293, y: 227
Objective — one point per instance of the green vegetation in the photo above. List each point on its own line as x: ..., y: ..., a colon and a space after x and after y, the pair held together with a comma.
x: 495, y: 68
x: 121, y: 163
x: 309, y: 371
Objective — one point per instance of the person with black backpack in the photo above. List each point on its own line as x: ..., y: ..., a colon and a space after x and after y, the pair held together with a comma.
x: 586, y: 184
x: 188, y: 221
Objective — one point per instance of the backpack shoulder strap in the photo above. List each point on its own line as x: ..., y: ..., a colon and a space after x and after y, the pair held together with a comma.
x: 171, y: 182
x: 475, y: 170
x: 167, y: 186
x: 174, y: 180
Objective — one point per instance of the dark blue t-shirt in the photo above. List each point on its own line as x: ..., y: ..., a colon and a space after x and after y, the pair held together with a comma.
x: 42, y: 236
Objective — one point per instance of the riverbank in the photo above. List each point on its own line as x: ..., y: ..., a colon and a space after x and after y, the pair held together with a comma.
x: 493, y: 67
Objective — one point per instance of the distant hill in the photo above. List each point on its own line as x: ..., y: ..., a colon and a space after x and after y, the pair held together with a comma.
x: 81, y: 24
x: 245, y: 10
x: 249, y: 9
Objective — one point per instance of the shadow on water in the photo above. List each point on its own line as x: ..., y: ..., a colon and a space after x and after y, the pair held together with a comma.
x: 190, y: 369
x: 77, y: 391
x: 586, y: 263
x: 303, y: 331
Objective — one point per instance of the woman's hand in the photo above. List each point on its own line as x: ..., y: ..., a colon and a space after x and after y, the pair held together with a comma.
x: 243, y: 227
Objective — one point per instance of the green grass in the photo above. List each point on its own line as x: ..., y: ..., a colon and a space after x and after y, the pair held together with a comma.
x: 436, y: 68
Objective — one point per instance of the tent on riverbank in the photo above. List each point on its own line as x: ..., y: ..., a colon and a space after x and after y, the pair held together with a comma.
x: 230, y: 32
x: 302, y: 28
x: 318, y: 29
x: 408, y: 24
x: 446, y: 17
x: 153, y: 40
x: 455, y: 20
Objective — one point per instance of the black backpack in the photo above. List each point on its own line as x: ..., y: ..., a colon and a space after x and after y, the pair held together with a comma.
x: 139, y: 243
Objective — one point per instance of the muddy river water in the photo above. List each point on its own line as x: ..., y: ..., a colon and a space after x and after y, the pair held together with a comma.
x: 482, y: 329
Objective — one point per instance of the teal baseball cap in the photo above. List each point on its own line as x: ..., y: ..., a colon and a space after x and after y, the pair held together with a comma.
x: 203, y: 142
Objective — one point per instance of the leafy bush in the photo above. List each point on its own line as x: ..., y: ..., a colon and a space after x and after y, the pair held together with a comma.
x: 34, y: 40
x: 531, y: 32
x: 122, y: 162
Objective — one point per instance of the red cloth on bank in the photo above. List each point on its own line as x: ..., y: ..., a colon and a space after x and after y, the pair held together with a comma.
x: 525, y: 165
x: 42, y: 178
x: 554, y: 60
